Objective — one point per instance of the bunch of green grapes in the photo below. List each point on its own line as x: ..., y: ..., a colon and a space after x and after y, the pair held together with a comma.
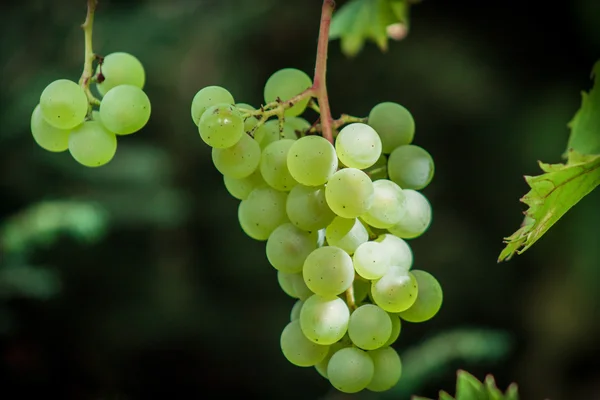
x: 336, y: 219
x: 65, y: 117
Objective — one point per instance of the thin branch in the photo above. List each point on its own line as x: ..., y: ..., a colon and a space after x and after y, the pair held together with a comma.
x: 88, y: 63
x: 350, y: 297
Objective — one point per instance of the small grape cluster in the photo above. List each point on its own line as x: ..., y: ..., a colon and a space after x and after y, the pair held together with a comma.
x: 65, y: 117
x: 335, y: 218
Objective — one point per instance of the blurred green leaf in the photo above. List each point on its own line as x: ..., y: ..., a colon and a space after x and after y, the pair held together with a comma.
x: 470, y: 388
x: 585, y: 126
x: 28, y: 281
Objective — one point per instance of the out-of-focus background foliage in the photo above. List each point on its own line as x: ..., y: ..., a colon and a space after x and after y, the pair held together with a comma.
x: 134, y: 281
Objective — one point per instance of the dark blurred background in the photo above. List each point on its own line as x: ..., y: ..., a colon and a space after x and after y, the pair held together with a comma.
x: 134, y: 280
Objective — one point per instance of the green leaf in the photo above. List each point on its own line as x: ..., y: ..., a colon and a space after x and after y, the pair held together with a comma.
x: 552, y: 194
x: 469, y: 388
x: 362, y: 20
x: 585, y: 126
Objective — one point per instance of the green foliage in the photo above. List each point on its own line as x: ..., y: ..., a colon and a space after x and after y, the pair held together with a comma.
x: 361, y: 20
x: 470, y: 388
x: 562, y: 186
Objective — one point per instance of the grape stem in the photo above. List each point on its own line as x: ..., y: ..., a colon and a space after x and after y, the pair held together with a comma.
x: 338, y: 123
x: 350, y: 301
x: 89, y: 57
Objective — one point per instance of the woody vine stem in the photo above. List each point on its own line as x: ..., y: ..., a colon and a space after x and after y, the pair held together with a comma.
x: 89, y: 55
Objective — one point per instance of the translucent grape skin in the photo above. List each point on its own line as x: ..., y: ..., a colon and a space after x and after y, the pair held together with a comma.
x: 47, y: 136
x: 221, y: 126
x: 125, y: 109
x: 262, y: 212
x: 358, y: 146
x: 349, y: 193
x: 208, y: 97
x: 324, y: 320
x: 241, y: 188
x: 312, y: 160
x: 298, y: 349
x: 328, y: 271
x: 322, y: 366
x: 387, y: 369
x: 92, y: 145
x: 396, y: 329
x: 120, y: 69
x: 238, y: 161
x: 346, y: 233
x: 293, y: 285
x: 394, y: 124
x: 429, y: 299
x: 295, y: 313
x: 288, y: 247
x: 269, y: 132
x: 307, y: 208
x: 417, y: 218
x: 388, y: 206
x: 396, y: 291
x: 371, y: 261
x: 370, y: 327
x: 285, y: 84
x: 350, y: 370
x: 298, y: 125
x: 400, y: 252
x: 63, y: 104
x: 250, y: 122
x: 273, y: 165
x: 411, y: 167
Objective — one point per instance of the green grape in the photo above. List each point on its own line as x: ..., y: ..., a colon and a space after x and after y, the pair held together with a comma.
x: 378, y: 170
x: 394, y: 124
x: 221, y: 126
x: 322, y: 366
x: 349, y: 193
x: 362, y: 287
x: 387, y: 369
x: 400, y: 252
x: 324, y: 320
x: 125, y: 109
x: 285, y: 84
x: 388, y: 207
x: 307, y: 208
x: 250, y: 122
x: 300, y: 288
x: 273, y: 165
x: 64, y: 104
x: 371, y: 261
x: 358, y: 146
x: 350, y: 370
x: 120, y: 69
x: 298, y: 125
x: 328, y: 271
x: 346, y: 233
x: 295, y: 313
x: 262, y: 212
x: 241, y: 188
x: 92, y: 145
x: 286, y: 282
x: 429, y: 299
x: 370, y: 327
x: 417, y: 217
x: 268, y: 133
x: 396, y: 291
x: 288, y: 247
x: 238, y: 161
x: 396, y: 328
x: 208, y: 97
x: 411, y: 167
x: 298, y: 349
x: 312, y: 160
x: 47, y: 136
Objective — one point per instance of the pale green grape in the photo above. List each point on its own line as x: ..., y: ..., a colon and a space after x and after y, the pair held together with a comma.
x: 250, y: 122
x: 286, y: 282
x: 388, y: 207
x: 285, y: 84
x: 273, y: 165
x: 324, y: 320
x: 358, y: 146
x: 238, y: 161
x: 379, y: 169
x: 208, y: 97
x: 295, y: 313
x: 396, y: 328
x: 411, y: 167
x: 362, y: 288
x: 298, y: 125
x: 349, y: 193
x: 92, y: 145
x: 120, y: 69
x: 400, y: 252
x: 288, y: 247
x: 322, y: 366
x: 241, y: 188
x: 396, y: 291
x: 387, y: 371
x: 429, y: 299
x: 350, y: 370
x: 269, y: 132
x: 298, y: 349
x: 394, y: 124
x: 64, y: 104
x: 370, y: 327
x: 125, y: 109
x: 417, y: 217
x: 300, y: 288
x: 312, y: 160
x: 307, y: 208
x: 328, y: 271
x: 47, y: 136
x: 371, y: 261
x: 221, y: 126
x: 346, y: 233
x: 262, y: 212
